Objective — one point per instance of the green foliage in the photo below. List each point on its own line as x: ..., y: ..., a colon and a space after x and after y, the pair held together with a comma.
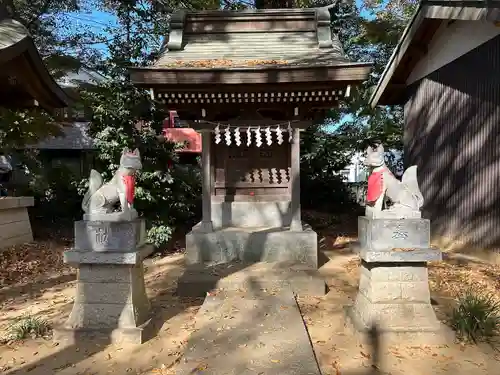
x: 57, y: 194
x: 476, y: 317
x: 323, y: 155
x: 27, y: 326
x: 166, y: 198
x: 54, y: 31
x: 19, y: 128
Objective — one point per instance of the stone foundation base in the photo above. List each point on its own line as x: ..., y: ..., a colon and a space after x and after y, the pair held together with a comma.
x: 253, y: 245
x: 137, y: 335
x: 199, y: 279
x: 110, y: 299
x: 395, y: 297
x: 15, y: 227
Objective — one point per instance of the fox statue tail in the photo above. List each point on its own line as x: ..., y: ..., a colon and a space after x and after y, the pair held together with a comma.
x: 409, y: 179
x: 95, y: 182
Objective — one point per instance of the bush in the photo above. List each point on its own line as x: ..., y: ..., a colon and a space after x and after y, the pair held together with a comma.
x: 476, y: 317
x: 125, y: 116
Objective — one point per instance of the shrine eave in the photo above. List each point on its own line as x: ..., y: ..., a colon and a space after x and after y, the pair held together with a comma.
x: 155, y: 77
x: 23, y: 65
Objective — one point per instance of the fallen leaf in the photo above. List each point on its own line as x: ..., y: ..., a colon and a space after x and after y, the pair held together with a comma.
x: 336, y: 367
x: 365, y: 355
x: 275, y: 360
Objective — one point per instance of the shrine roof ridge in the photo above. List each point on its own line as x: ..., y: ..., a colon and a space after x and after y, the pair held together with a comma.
x: 235, y: 68
x: 261, y: 37
x: 250, y: 13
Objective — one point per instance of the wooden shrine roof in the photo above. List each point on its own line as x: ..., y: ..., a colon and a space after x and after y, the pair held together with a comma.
x: 414, y: 43
x: 23, y: 75
x: 248, y: 47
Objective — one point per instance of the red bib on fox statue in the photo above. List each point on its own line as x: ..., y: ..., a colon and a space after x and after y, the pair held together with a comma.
x: 375, y: 186
x: 129, y: 181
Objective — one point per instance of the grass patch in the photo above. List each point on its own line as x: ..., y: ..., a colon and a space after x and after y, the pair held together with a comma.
x: 27, y: 326
x: 476, y: 317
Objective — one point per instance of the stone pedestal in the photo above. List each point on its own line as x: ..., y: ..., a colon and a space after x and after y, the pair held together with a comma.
x: 15, y: 227
x: 111, y: 300
x: 252, y: 245
x: 227, y: 258
x: 394, y: 287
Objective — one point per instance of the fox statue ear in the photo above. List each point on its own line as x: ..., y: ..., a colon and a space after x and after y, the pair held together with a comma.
x: 136, y: 152
x: 125, y: 150
x: 369, y: 150
x: 380, y: 148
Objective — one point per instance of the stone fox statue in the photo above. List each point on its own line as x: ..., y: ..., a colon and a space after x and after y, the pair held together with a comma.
x: 101, y: 198
x: 405, y: 194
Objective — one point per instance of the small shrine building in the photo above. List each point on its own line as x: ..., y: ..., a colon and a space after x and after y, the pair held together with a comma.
x: 24, y: 79
x: 24, y: 83
x: 249, y: 82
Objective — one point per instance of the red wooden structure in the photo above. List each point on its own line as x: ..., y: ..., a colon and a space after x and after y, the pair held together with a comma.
x: 175, y: 131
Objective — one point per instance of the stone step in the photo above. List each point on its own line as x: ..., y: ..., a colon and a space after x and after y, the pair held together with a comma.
x: 249, y: 333
x: 198, y: 280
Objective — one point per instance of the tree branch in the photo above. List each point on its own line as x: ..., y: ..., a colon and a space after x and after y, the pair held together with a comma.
x: 42, y: 10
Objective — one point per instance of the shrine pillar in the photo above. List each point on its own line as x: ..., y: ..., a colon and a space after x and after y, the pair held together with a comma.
x: 296, y: 222
x: 206, y: 142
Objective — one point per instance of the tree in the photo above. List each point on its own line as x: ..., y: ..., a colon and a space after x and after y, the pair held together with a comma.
x: 51, y: 32
x: 372, y: 37
x: 126, y: 116
x: 166, y: 197
x: 61, y: 45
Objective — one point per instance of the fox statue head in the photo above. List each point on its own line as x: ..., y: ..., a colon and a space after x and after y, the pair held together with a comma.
x: 375, y: 156
x: 130, y: 161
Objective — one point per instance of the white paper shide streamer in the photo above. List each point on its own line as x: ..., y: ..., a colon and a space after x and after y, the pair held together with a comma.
x: 279, y: 135
x: 217, y: 134
x: 237, y: 137
x: 269, y: 136
x: 249, y: 136
x: 258, y: 137
x: 290, y: 133
x: 227, y: 135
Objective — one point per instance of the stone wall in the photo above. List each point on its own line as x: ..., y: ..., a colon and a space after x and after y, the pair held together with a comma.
x: 15, y: 227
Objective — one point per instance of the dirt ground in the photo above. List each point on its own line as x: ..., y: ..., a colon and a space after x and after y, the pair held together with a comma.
x: 27, y: 288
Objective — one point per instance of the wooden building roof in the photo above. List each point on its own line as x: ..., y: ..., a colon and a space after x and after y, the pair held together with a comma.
x: 414, y: 43
x: 24, y: 79
x: 270, y: 46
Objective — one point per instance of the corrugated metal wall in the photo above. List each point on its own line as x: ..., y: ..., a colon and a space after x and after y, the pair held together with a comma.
x: 452, y: 132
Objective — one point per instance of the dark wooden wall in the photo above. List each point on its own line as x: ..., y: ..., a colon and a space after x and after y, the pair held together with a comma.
x: 242, y: 170
x: 452, y: 132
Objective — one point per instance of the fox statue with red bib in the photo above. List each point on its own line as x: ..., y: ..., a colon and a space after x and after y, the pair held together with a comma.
x: 101, y: 198
x: 405, y: 195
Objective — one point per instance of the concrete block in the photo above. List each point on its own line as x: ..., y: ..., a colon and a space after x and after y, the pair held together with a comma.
x: 103, y: 293
x: 395, y: 271
x: 251, y: 214
x: 396, y: 298
x: 409, y: 256
x: 135, y: 335
x: 387, y: 234
x: 111, y: 297
x: 378, y: 292
x: 15, y: 226
x: 252, y: 245
x: 106, y: 273
x: 394, y: 316
x: 110, y: 236
x: 415, y: 292
x: 199, y: 279
x: 89, y: 257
